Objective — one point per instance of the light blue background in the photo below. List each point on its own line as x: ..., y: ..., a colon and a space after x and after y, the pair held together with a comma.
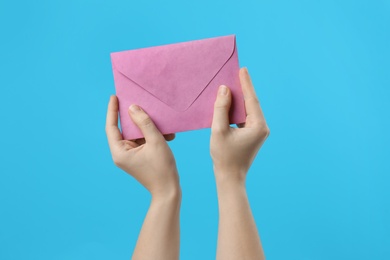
x: 319, y: 188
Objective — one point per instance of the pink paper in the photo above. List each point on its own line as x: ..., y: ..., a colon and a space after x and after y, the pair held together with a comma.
x: 176, y: 84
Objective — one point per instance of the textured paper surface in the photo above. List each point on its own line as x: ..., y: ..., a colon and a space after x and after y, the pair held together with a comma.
x: 176, y: 84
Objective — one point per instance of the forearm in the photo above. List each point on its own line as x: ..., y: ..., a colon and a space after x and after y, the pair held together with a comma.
x: 160, y: 233
x: 237, y: 234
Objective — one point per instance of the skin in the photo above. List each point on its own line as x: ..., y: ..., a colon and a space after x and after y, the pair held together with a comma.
x: 233, y: 151
x: 150, y: 161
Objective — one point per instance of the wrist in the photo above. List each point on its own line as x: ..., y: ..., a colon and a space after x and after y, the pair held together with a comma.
x: 171, y: 195
x: 229, y: 189
x: 229, y: 176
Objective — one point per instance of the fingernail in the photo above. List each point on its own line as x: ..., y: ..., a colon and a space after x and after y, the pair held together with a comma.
x: 222, y: 90
x: 135, y: 108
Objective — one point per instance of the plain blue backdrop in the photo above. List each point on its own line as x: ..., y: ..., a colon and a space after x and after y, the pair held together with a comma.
x: 319, y: 188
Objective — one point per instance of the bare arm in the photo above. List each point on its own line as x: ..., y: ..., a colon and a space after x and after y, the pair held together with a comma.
x: 237, y: 234
x: 233, y: 151
x: 160, y: 233
x: 150, y: 161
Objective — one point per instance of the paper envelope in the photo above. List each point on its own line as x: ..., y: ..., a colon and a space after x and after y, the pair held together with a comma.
x: 177, y: 84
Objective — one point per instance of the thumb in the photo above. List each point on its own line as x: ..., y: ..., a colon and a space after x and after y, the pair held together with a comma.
x: 221, y: 110
x: 145, y: 124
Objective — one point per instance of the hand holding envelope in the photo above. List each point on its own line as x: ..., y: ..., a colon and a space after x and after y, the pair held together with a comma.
x: 176, y: 84
x: 151, y: 162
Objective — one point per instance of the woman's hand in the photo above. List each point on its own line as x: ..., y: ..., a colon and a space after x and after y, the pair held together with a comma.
x: 150, y: 160
x: 233, y: 149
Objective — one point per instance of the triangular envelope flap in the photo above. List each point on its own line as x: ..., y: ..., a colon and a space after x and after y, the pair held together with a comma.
x: 176, y: 73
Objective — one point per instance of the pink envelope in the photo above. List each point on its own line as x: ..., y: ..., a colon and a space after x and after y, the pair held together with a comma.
x: 176, y: 84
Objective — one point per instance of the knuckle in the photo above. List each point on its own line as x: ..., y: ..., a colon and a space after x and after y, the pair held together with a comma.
x: 268, y: 131
x: 221, y: 104
x: 217, y: 130
x: 118, y: 158
x: 253, y: 99
x: 146, y: 121
x: 262, y: 130
x: 156, y: 141
x: 221, y: 109
x: 117, y: 161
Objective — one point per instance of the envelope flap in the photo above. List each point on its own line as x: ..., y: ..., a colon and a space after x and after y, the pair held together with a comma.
x: 176, y: 73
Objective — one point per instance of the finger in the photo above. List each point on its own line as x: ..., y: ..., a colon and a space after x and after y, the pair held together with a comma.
x: 145, y: 124
x: 252, y: 104
x: 169, y: 137
x: 112, y: 130
x: 221, y: 109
